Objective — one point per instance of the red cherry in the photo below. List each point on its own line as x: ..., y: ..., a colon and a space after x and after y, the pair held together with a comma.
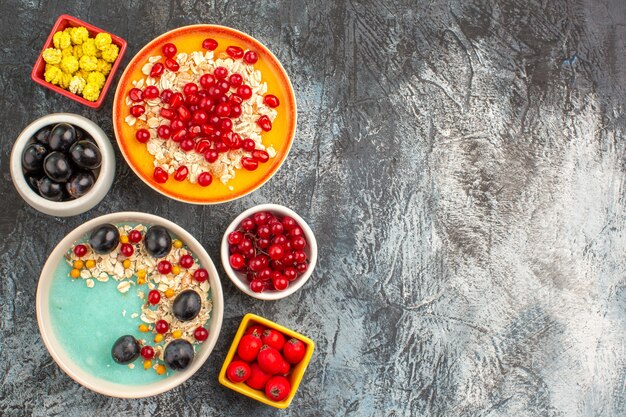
x: 160, y: 175
x: 135, y: 94
x: 147, y: 352
x: 209, y: 44
x: 251, y: 57
x: 220, y: 73
x: 201, y: 334
x: 186, y: 261
x: 151, y: 92
x: 271, y: 100
x: 205, y: 179
x: 236, y: 261
x: 157, y: 70
x: 164, y: 267
x: 264, y: 123
x: 181, y: 173
x: 134, y: 236
x: 161, y: 326
x: 172, y: 65
x: 142, y: 135
x: 154, y: 297
x: 234, y: 52
x: 80, y: 250
x: 201, y: 275
x: 249, y: 163
x: 137, y: 110
x: 127, y: 249
x: 244, y: 91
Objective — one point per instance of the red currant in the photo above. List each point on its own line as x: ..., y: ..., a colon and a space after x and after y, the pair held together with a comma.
x: 164, y: 132
x: 276, y: 228
x: 235, y: 80
x: 265, y: 274
x: 263, y: 243
x: 235, y: 237
x: 235, y: 110
x: 161, y: 326
x: 290, y: 273
x: 134, y: 236
x: 223, y: 110
x: 220, y: 73
x: 127, y: 250
x: 211, y: 156
x: 209, y: 44
x: 147, y: 352
x: 207, y: 80
x: 190, y: 88
x: 289, y: 223
x: 187, y: 144
x: 201, y: 334
x: 276, y: 252
x: 201, y: 275
x: 280, y: 283
x: 244, y: 91
x: 298, y: 243
x: 301, y: 267
x: 169, y: 50
x: 164, y: 267
x: 80, y: 250
x: 248, y: 145
x: 154, y: 297
x: 264, y: 231
x: 236, y: 261
x: 247, y: 224
x: 299, y: 256
x: 257, y: 285
x: 166, y: 95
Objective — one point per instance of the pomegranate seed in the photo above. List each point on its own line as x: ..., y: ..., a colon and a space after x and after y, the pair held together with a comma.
x: 260, y: 155
x: 184, y: 114
x: 205, y: 103
x: 134, y: 236
x: 154, y: 297
x: 214, y: 120
x: 271, y: 100
x: 142, y: 135
x: 256, y: 285
x: 265, y: 123
x: 151, y: 92
x: 290, y: 273
x: 207, y: 80
x: 248, y: 145
x: 135, y: 94
x: 221, y: 147
x: 169, y: 50
x: 190, y: 88
x: 235, y: 80
x: 147, y: 352
x: 172, y: 65
x: 80, y: 250
x: 164, y: 267
x: 249, y: 163
x: 236, y: 261
x: 166, y: 95
x: 201, y: 275
x: 160, y: 175
x: 205, y: 179
x: 186, y: 261
x: 226, y: 124
x: 224, y: 86
x: 177, y: 100
x: 235, y: 110
x: 234, y: 52
x: 202, y: 146
x: 220, y: 73
x: 157, y: 70
x: 181, y: 173
x: 179, y: 135
x: 201, y: 334
x: 168, y: 114
x: 276, y: 252
x: 244, y: 91
x: 164, y: 132
x: 200, y: 118
x: 280, y: 283
x: 187, y: 145
x: 223, y: 110
x: 235, y: 99
x: 211, y: 156
x: 176, y: 125
x: 235, y: 237
x: 127, y: 250
x: 161, y: 326
x: 251, y: 57
x: 137, y: 110
x: 209, y: 44
x: 237, y: 142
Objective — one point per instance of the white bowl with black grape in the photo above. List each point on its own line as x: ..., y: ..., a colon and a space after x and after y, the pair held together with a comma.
x: 239, y: 278
x: 69, y: 365
x: 81, y: 204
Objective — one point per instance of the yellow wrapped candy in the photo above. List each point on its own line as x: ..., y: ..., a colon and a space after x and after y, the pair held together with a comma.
x: 77, y: 84
x: 102, y: 40
x: 64, y: 81
x: 79, y: 35
x: 89, y: 47
x: 96, y: 78
x: 91, y: 92
x: 78, y: 51
x: 52, y: 56
x: 104, y: 67
x: 52, y: 74
x: 110, y: 53
x: 61, y: 40
x: 69, y: 64
x: 88, y: 63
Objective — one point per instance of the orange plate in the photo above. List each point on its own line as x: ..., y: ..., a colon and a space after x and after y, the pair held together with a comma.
x: 189, y: 39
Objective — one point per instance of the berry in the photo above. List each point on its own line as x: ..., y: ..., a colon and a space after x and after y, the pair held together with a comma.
x: 236, y: 261
x: 280, y: 282
x: 201, y: 275
x: 271, y: 100
x: 137, y: 110
x: 249, y: 163
x: 251, y: 57
x: 201, y: 334
x: 151, y: 92
x: 190, y: 88
x: 235, y: 237
x: 298, y: 242
x: 127, y: 250
x: 290, y: 273
x: 164, y: 132
x: 157, y: 70
x: 205, y: 179
x: 207, y: 80
x: 244, y: 91
x: 154, y: 297
x: 164, y: 267
x: 147, y: 352
x: 264, y: 123
x: 169, y: 50
x: 247, y: 224
x: 172, y: 65
x: 166, y: 95
x: 235, y: 80
x: 135, y: 94
x: 220, y: 73
x: 186, y: 261
x: 161, y: 326
x: 276, y: 252
x: 248, y: 145
x: 181, y: 173
x: 80, y: 250
x: 260, y: 155
x: 256, y: 285
x: 234, y: 52
x: 209, y: 44
x: 142, y: 135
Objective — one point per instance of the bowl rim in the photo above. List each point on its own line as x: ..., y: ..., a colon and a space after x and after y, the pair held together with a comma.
x: 107, y: 387
x: 71, y: 207
x: 151, y: 184
x: 109, y: 79
x: 238, y: 278
x: 296, y: 378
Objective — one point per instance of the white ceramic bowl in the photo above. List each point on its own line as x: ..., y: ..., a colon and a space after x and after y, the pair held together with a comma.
x: 72, y: 207
x: 240, y: 280
x: 75, y: 371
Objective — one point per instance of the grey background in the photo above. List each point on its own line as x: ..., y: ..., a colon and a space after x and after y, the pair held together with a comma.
x: 461, y: 163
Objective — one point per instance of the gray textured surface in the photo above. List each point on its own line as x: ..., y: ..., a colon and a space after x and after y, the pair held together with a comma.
x: 462, y: 165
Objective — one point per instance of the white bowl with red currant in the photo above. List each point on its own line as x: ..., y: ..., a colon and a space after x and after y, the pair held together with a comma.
x: 269, y: 252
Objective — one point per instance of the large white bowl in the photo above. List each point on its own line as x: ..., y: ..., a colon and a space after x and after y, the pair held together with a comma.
x: 71, y: 207
x: 240, y: 280
x: 97, y: 384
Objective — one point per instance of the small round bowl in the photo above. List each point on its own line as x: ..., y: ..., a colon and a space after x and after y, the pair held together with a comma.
x: 72, y: 207
x: 69, y: 366
x: 240, y: 280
